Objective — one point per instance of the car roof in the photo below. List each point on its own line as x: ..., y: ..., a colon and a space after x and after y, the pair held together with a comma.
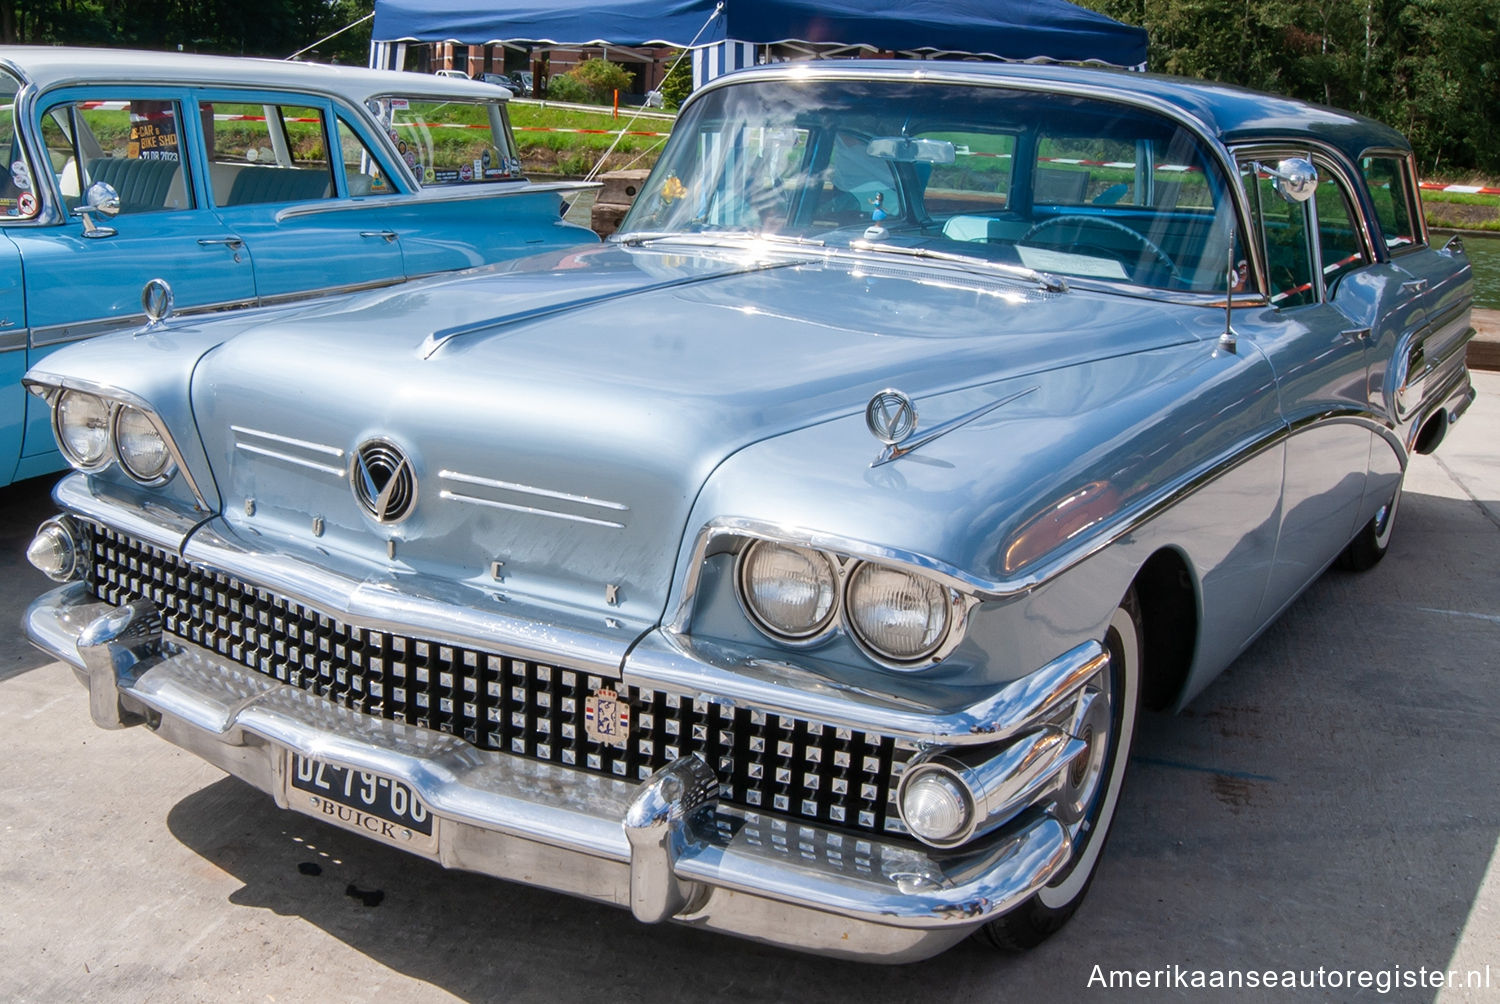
x: 1229, y: 113
x: 49, y: 66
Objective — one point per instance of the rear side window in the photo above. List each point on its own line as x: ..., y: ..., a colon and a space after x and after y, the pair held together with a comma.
x: 18, y: 188
x: 265, y: 153
x: 450, y: 142
x: 1395, y: 201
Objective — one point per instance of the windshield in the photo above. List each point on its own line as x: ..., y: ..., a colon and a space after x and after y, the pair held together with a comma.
x: 448, y: 142
x: 1055, y: 183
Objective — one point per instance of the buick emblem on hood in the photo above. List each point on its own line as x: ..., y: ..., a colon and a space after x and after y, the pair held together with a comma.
x: 383, y: 482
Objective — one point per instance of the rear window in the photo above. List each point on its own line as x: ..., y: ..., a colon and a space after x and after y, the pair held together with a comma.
x: 1395, y: 211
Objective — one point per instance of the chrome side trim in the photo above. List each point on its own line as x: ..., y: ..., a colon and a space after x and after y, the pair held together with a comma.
x: 453, y: 496
x: 15, y: 341
x: 511, y: 486
x: 281, y: 299
x: 240, y: 432
x: 485, y: 193
x: 62, y: 334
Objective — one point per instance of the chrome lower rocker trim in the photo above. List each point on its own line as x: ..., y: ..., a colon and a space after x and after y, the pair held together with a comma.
x: 664, y: 848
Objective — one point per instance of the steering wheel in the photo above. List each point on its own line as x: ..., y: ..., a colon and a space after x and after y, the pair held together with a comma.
x: 1108, y: 224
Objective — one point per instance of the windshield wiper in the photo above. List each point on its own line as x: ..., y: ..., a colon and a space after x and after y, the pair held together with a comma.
x: 1051, y: 283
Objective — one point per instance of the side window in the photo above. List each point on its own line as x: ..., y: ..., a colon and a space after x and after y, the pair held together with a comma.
x: 136, y: 146
x: 1338, y: 234
x: 1395, y: 209
x: 362, y: 171
x: 1284, y: 235
x: 18, y: 191
x: 978, y: 182
x: 265, y: 153
x: 1077, y: 171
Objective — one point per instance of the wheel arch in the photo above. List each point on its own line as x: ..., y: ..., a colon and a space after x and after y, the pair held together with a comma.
x: 1167, y: 593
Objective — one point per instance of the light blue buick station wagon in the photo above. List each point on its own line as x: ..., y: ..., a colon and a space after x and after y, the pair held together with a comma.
x: 795, y: 564
x: 240, y: 182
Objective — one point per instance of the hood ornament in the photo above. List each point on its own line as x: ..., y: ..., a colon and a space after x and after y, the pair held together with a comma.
x: 892, y: 418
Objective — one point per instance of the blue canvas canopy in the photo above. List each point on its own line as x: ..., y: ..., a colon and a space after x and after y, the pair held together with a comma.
x: 1004, y: 29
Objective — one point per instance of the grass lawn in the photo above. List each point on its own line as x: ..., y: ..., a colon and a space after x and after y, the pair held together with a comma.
x: 574, y: 154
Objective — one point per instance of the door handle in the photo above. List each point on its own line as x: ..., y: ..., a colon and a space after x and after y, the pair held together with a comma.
x: 233, y: 243
x: 1356, y: 334
x: 1414, y: 286
x: 387, y: 235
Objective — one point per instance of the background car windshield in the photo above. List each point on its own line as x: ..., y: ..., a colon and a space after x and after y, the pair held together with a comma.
x: 1065, y: 184
x: 450, y: 142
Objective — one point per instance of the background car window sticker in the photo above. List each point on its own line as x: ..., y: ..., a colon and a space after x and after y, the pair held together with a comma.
x: 153, y: 131
x: 18, y: 189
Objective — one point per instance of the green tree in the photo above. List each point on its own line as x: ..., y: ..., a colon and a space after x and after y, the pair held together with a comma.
x: 601, y: 79
x: 678, y: 83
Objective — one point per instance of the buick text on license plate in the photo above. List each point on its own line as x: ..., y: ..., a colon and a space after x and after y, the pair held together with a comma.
x: 360, y: 800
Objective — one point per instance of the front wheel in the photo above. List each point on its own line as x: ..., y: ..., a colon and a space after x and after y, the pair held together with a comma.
x: 1092, y: 790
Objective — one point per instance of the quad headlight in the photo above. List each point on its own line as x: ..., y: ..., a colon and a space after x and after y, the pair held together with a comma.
x: 789, y: 592
x: 802, y: 595
x: 141, y: 447
x: 897, y: 614
x: 81, y: 421
x: 93, y: 430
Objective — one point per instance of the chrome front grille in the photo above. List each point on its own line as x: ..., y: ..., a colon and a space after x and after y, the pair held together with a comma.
x: 765, y: 762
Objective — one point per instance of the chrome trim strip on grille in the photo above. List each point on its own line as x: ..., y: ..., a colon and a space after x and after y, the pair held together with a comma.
x: 453, y: 496
x: 470, y: 479
x: 289, y: 458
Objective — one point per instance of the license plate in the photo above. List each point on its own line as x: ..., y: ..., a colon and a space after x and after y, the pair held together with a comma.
x: 360, y: 800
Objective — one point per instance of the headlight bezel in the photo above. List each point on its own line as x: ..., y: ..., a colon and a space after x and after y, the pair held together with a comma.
x: 920, y: 656
x: 55, y: 389
x: 845, y: 562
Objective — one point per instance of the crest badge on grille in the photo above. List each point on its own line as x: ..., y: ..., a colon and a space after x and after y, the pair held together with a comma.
x: 606, y: 718
x: 384, y: 485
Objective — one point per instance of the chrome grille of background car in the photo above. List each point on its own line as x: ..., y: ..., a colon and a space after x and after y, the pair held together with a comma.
x: 765, y: 761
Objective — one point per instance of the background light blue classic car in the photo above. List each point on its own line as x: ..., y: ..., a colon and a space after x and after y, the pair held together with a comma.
x: 795, y: 565
x: 219, y: 177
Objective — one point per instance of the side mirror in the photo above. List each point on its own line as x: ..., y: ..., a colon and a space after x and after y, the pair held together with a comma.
x: 101, y: 198
x: 1294, y: 179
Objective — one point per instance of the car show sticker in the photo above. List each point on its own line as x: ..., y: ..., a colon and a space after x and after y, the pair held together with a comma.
x: 20, y: 175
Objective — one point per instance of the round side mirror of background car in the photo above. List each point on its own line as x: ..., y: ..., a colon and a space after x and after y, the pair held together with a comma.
x: 103, y: 199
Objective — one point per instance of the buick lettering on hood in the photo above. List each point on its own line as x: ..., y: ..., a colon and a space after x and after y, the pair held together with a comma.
x: 796, y: 564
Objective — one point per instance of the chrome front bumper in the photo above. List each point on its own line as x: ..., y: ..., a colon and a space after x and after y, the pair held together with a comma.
x: 664, y: 848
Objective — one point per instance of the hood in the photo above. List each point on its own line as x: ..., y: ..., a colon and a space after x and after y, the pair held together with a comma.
x: 561, y: 423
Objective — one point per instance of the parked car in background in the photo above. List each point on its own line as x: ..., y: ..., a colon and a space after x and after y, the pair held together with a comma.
x: 240, y: 181
x: 796, y: 564
x: 500, y: 80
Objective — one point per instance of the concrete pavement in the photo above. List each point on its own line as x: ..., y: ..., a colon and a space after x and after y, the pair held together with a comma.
x: 1331, y: 801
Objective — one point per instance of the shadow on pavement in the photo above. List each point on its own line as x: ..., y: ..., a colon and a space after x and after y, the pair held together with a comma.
x: 23, y: 506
